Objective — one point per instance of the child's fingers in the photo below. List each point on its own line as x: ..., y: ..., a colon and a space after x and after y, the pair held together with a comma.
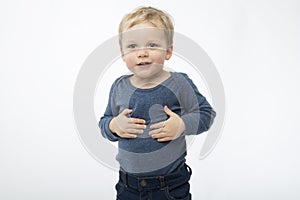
x: 155, y: 131
x: 158, y: 125
x: 160, y: 135
x: 126, y: 111
x: 137, y: 121
x: 135, y: 131
x: 165, y: 139
x: 163, y: 136
x: 137, y: 126
x: 128, y: 135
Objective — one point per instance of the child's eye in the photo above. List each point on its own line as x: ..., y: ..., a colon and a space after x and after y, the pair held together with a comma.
x: 152, y: 45
x: 131, y: 46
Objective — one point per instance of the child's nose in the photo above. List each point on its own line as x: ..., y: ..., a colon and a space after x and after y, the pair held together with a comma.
x: 143, y: 52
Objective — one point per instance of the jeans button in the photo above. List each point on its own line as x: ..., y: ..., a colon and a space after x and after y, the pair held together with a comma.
x: 143, y: 183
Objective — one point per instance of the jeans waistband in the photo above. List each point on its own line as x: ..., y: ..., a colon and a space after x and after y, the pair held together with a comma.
x: 154, y: 182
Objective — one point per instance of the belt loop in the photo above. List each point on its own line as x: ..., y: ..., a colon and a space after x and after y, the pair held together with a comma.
x: 162, y: 181
x: 125, y: 178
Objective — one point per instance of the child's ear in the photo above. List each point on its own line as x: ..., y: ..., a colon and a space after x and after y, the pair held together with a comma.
x: 169, y: 52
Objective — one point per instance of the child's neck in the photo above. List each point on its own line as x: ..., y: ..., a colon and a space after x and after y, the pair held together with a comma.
x: 146, y: 83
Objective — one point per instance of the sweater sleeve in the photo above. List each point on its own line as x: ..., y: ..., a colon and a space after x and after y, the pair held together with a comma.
x: 107, y: 117
x: 198, y: 114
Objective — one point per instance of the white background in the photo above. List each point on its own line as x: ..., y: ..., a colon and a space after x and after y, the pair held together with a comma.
x: 255, y: 46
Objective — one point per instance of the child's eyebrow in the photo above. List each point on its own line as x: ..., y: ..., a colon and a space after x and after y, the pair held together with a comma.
x: 130, y: 41
x: 154, y: 40
x: 147, y: 40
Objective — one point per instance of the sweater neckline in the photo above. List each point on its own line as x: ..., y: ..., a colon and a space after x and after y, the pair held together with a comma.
x: 148, y: 89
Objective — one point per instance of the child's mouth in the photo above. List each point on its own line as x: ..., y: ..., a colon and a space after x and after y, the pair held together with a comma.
x: 142, y: 64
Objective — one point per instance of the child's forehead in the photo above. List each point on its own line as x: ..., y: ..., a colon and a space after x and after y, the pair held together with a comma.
x: 142, y: 34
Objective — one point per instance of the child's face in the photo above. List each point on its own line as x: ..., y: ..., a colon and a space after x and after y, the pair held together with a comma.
x: 144, y: 50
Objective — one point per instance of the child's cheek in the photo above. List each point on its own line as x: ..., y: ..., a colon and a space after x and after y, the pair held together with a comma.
x: 130, y: 62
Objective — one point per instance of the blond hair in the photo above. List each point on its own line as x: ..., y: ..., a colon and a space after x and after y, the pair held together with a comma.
x: 156, y: 17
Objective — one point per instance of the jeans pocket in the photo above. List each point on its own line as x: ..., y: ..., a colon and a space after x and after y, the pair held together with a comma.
x: 179, y: 193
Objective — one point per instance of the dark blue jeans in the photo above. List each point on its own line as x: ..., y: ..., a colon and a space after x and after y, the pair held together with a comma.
x: 174, y: 186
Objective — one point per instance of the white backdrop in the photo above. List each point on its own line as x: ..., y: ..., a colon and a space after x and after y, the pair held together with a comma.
x: 255, y: 46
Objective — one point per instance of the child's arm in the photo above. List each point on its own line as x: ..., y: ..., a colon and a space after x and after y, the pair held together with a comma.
x: 199, y: 115
x: 105, y: 121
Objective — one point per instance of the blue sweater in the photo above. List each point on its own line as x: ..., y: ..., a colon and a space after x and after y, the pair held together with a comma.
x: 143, y: 155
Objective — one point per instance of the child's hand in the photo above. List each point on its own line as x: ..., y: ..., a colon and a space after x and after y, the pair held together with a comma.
x: 126, y: 127
x: 168, y: 130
